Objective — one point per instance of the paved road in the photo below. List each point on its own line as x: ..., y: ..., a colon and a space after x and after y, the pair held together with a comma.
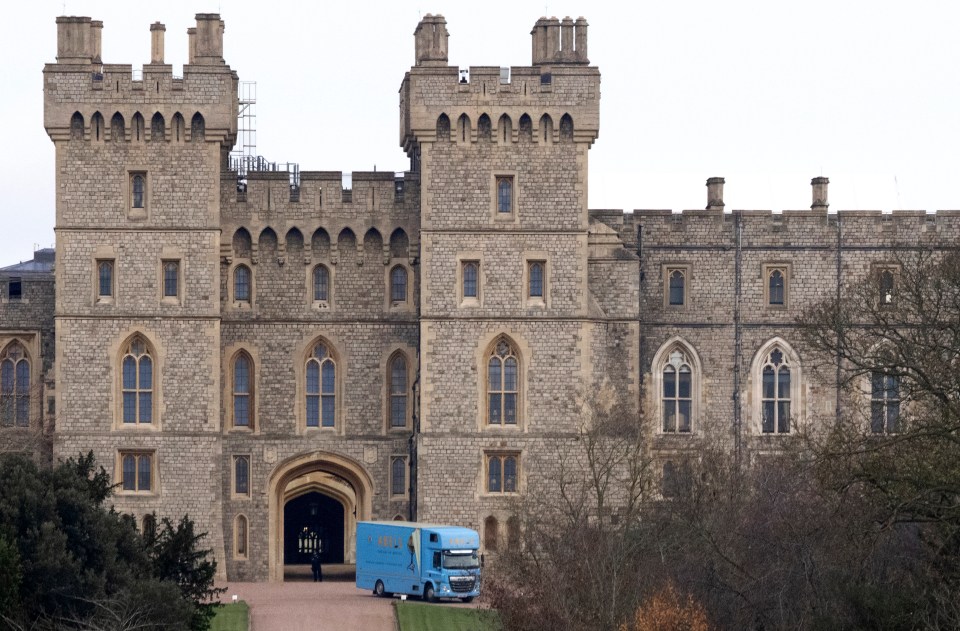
x: 333, y: 605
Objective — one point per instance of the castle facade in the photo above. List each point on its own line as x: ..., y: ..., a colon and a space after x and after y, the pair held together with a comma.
x: 280, y: 361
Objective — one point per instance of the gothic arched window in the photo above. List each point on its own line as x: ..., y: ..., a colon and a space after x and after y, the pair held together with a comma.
x: 503, y: 384
x: 321, y: 378
x: 398, y: 391
x: 137, y: 382
x: 14, y: 386
x: 677, y: 394
x: 243, y: 391
x: 775, y: 394
x: 241, y: 284
x: 321, y: 284
x: 398, y: 284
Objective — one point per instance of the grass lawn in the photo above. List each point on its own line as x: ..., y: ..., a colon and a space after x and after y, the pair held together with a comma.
x: 232, y: 617
x: 414, y: 616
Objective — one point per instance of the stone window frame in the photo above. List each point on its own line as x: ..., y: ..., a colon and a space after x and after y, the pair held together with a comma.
x: 234, y: 462
x: 408, y: 356
x: 137, y: 454
x: 133, y: 211
x: 785, y: 269
x: 513, y: 216
x: 231, y: 285
x: 320, y: 305
x: 340, y: 362
x: 14, y: 290
x: 501, y: 455
x: 104, y: 254
x: 692, y: 359
x: 398, y: 305
x: 879, y: 273
x: 167, y: 257
x: 405, y: 495
x: 463, y: 259
x: 797, y: 407
x: 682, y: 466
x: 241, y: 535
x: 121, y: 354
x: 231, y: 354
x: 529, y: 259
x: 520, y: 352
x: 668, y: 270
x: 11, y: 360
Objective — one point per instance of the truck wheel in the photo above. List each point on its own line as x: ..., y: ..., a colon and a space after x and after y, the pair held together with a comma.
x: 378, y: 589
x: 428, y: 594
x: 467, y: 599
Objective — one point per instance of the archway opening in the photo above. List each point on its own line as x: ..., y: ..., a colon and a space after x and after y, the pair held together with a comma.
x: 313, y: 522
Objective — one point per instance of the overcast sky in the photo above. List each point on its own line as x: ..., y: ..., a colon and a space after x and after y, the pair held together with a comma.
x: 767, y: 94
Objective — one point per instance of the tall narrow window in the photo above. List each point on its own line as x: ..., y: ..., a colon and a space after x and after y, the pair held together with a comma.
x: 502, y: 384
x: 171, y: 279
x: 137, y: 383
x: 777, y: 289
x: 321, y: 388
x: 398, y: 476
x: 884, y: 403
x: 136, y: 471
x: 241, y: 475
x: 105, y: 279
x: 138, y: 186
x: 535, y: 279
x: 677, y: 394
x: 321, y: 284
x: 398, y: 284
x: 491, y: 534
x: 470, y: 284
x: 242, y: 391
x: 505, y: 193
x: 502, y: 472
x: 886, y: 287
x: 14, y: 387
x: 241, y: 283
x: 240, y: 536
x: 676, y: 279
x: 775, y: 394
x: 398, y: 391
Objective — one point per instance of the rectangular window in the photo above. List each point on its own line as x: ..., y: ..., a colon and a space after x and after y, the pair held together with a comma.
x: 138, y: 190
x: 776, y: 288
x: 471, y: 279
x: 884, y: 403
x: 398, y: 476
x: 105, y: 279
x: 171, y: 279
x: 136, y: 471
x: 503, y: 472
x: 504, y: 193
x: 15, y: 289
x: 536, y: 273
x: 241, y: 475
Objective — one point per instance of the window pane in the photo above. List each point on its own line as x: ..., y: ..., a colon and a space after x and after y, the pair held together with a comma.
x: 676, y: 288
x: 23, y: 410
x: 493, y: 481
x: 106, y: 279
x: 241, y: 283
x: 241, y: 376
x: 510, y: 374
x: 313, y: 410
x: 669, y: 382
x: 510, y: 409
x: 398, y: 376
x: 510, y: 474
x: 669, y: 416
x: 684, y: 390
x: 146, y: 373
x: 6, y: 377
x: 893, y: 418
x: 504, y: 195
x: 684, y: 416
x: 321, y: 283
x: 398, y: 476
x: 398, y: 410
x: 328, y: 403
x: 129, y: 407
x: 892, y: 389
x: 241, y: 410
x: 170, y: 278
x: 129, y: 373
x: 129, y: 473
x: 470, y: 280
x: 23, y: 377
x: 398, y: 284
x: 783, y: 383
x: 329, y: 374
x: 495, y: 411
x: 768, y: 416
x: 494, y: 382
x: 313, y: 377
x: 536, y: 280
x: 768, y: 389
x: 143, y: 473
x: 783, y: 417
x: 776, y: 288
x: 146, y: 407
x: 876, y: 385
x: 138, y: 191
x: 877, y: 417
x: 242, y: 475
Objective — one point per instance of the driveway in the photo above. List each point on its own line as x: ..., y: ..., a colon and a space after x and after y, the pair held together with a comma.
x: 300, y: 604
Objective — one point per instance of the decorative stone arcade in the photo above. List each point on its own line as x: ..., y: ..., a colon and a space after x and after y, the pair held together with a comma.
x: 316, y: 500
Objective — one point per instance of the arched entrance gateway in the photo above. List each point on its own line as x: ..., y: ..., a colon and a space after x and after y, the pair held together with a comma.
x: 316, y: 500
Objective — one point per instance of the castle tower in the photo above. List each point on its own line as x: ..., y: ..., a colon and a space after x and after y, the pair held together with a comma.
x: 138, y: 166
x: 510, y: 338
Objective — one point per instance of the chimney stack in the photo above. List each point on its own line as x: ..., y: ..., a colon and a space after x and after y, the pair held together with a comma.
x: 430, y: 39
x: 74, y: 40
x: 559, y: 42
x: 96, y: 31
x: 191, y: 44
x: 156, y: 42
x: 819, y: 185
x: 208, y: 40
x: 715, y: 193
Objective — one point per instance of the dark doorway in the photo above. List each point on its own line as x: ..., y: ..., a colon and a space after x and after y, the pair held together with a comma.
x: 310, y: 522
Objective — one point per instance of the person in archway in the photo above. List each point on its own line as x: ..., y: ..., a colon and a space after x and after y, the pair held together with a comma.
x: 316, y: 567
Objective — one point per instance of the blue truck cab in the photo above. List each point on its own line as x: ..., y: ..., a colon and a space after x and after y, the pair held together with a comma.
x: 426, y: 560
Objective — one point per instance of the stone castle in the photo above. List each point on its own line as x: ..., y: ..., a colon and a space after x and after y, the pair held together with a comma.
x: 281, y: 361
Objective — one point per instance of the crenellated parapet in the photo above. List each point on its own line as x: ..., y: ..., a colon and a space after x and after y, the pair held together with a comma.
x: 558, y: 86
x: 85, y: 99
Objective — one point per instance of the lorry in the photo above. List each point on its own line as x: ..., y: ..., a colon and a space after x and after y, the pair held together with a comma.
x: 426, y: 560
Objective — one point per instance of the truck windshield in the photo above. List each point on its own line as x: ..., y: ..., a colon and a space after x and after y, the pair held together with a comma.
x: 460, y: 560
